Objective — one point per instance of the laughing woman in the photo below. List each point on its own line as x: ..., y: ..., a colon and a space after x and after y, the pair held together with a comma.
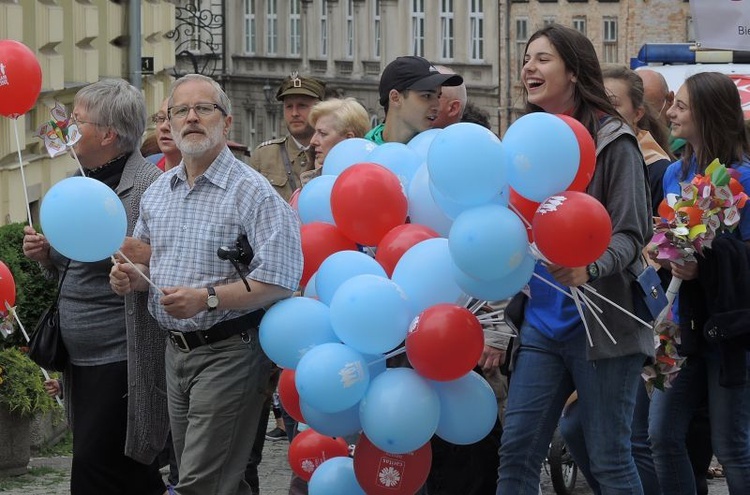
x: 561, y: 75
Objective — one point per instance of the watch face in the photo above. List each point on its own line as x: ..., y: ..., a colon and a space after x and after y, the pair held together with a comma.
x: 212, y: 301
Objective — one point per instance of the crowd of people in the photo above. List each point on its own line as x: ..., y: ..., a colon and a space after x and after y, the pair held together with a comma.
x: 185, y: 358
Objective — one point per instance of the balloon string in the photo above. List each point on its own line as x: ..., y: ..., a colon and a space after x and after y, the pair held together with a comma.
x: 80, y: 167
x: 523, y: 219
x: 23, y: 175
x: 391, y: 354
x: 141, y: 273
x: 26, y: 336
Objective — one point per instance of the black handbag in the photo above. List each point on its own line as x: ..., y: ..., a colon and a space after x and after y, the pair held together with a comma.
x: 46, y: 347
x: 648, y: 295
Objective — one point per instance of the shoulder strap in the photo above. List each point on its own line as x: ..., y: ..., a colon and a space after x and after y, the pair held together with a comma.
x: 62, y: 279
x: 288, y: 167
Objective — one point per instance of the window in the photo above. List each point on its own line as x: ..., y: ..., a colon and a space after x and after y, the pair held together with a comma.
x: 609, y: 38
x: 476, y: 31
x: 272, y: 26
x: 579, y: 24
x: 350, y: 29
x: 522, y: 36
x: 446, y: 29
x: 324, y: 28
x: 250, y: 27
x: 547, y: 20
x: 295, y: 27
x: 417, y: 27
x: 376, y: 41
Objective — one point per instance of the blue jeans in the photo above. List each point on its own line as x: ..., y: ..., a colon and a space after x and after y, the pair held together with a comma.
x: 729, y: 415
x: 545, y: 374
x: 571, y: 428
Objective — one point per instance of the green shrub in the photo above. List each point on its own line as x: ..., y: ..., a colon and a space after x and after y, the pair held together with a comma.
x: 33, y: 291
x: 22, y: 384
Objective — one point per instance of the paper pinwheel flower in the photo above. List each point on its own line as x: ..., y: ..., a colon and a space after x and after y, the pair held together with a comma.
x: 668, y: 362
x: 60, y: 133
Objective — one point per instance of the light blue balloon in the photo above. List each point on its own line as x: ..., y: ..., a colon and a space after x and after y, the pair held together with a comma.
x: 314, y: 203
x: 452, y: 209
x: 376, y: 363
x: 332, y: 377
x: 422, y: 141
x: 468, y: 409
x: 340, y: 267
x: 542, y: 155
x: 310, y: 287
x: 83, y: 219
x: 425, y: 274
x: 400, y: 411
x: 347, y: 153
x: 335, y: 477
x: 292, y: 327
x: 488, y: 242
x: 337, y: 424
x: 370, y: 313
x: 399, y: 159
x: 467, y: 164
x: 496, y: 290
x: 422, y: 206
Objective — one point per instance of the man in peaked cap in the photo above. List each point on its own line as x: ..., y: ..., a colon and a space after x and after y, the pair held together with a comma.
x: 282, y: 160
x: 409, y: 93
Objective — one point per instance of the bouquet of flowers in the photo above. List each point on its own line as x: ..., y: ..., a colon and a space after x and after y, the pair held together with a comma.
x: 708, y: 205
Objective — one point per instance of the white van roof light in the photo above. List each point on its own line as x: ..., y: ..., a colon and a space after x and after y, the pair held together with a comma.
x: 685, y: 53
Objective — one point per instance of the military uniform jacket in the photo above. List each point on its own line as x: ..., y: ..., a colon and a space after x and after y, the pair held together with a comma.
x: 268, y: 160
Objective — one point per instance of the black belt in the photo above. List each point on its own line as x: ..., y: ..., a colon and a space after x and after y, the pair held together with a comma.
x: 187, y: 341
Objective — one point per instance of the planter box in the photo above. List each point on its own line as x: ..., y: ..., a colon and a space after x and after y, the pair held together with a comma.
x: 47, y: 429
x: 15, y: 444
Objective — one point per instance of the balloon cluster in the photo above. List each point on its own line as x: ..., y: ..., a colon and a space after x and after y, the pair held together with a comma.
x: 393, y: 238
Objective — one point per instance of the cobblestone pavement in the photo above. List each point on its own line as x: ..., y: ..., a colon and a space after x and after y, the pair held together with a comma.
x: 51, y: 476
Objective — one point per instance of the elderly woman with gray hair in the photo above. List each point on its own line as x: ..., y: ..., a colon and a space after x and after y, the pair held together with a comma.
x: 114, y: 384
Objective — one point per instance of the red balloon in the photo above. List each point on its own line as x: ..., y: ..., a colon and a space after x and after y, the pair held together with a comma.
x: 572, y: 229
x: 310, y: 449
x: 587, y: 148
x: 367, y: 201
x: 7, y: 288
x: 319, y: 241
x: 398, y: 240
x: 289, y: 396
x: 445, y: 342
x: 526, y: 208
x: 381, y: 473
x: 20, y: 79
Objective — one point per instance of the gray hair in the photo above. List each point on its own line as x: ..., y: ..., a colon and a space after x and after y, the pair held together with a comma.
x: 116, y: 104
x: 221, y: 96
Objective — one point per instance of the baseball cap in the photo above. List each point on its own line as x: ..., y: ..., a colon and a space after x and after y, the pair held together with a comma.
x: 411, y: 72
x: 298, y: 85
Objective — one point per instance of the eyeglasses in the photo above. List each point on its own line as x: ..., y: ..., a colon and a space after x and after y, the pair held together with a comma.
x: 202, y: 109
x: 77, y: 121
x: 159, y: 119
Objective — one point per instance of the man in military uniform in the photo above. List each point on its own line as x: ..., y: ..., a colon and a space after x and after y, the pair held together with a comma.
x: 282, y: 160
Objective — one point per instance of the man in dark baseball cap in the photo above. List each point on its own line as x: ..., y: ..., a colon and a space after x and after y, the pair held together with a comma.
x: 409, y: 91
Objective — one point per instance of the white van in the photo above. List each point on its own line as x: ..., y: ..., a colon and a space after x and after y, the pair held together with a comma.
x: 677, y: 61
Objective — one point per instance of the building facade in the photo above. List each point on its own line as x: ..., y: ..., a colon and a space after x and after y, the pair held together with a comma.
x: 77, y: 42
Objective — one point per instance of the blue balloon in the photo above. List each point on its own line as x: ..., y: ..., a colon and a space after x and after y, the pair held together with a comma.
x: 452, y: 209
x: 83, y: 219
x: 370, y: 313
x: 314, y: 203
x: 425, y: 274
x: 310, y: 287
x: 347, y: 153
x: 340, y: 267
x: 337, y: 424
x: 332, y: 377
x: 467, y: 164
x: 468, y: 409
x: 496, y: 290
x: 542, y: 155
x: 335, y: 477
x: 422, y: 141
x: 399, y: 159
x: 292, y: 327
x: 376, y: 363
x: 400, y: 411
x: 488, y: 242
x: 422, y: 206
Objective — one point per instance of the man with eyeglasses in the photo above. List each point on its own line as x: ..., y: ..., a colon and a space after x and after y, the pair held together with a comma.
x: 216, y: 369
x: 282, y: 160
